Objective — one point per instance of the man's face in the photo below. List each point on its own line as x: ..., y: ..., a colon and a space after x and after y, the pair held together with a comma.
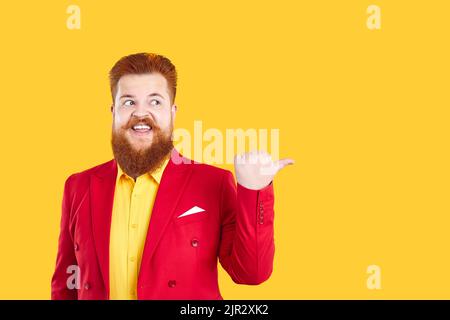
x: 143, y: 119
x: 142, y: 106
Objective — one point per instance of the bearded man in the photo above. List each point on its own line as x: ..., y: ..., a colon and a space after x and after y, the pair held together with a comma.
x: 151, y: 223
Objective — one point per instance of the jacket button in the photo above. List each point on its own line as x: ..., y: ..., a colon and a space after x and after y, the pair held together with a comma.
x: 87, y: 286
x: 172, y: 283
x: 194, y: 243
x: 76, y: 247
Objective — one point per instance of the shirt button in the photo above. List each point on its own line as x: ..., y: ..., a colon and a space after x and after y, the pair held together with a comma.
x: 172, y: 283
x: 194, y: 243
x: 76, y: 247
x: 134, y: 225
x: 87, y: 286
x: 132, y: 259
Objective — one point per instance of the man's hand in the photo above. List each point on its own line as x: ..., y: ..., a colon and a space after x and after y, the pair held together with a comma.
x: 255, y: 170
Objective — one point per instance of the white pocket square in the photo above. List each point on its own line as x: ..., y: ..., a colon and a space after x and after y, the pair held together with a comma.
x: 191, y: 211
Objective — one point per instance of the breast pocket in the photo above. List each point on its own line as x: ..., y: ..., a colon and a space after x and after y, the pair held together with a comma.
x: 195, y: 217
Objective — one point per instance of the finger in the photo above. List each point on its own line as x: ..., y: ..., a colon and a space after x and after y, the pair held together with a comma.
x: 239, y: 159
x: 253, y: 156
x: 284, y: 162
x: 265, y: 158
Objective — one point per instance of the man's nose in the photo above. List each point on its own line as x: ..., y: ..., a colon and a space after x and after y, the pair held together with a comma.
x: 141, y: 110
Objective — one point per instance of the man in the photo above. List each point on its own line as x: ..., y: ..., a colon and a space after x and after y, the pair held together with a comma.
x: 150, y: 224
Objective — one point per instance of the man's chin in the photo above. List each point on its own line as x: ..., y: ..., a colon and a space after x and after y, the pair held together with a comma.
x: 139, y: 147
x: 139, y: 143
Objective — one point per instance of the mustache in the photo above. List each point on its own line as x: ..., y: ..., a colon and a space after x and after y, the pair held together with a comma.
x: 139, y: 120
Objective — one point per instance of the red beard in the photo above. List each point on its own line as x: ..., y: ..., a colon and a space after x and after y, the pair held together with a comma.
x: 146, y: 160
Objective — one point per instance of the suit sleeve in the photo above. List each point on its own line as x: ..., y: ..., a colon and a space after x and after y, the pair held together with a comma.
x: 66, y: 253
x: 247, y: 246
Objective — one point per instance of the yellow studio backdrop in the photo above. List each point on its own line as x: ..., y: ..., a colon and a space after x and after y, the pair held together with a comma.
x: 363, y: 111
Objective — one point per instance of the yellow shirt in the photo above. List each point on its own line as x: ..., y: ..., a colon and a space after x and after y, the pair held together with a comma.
x: 132, y: 207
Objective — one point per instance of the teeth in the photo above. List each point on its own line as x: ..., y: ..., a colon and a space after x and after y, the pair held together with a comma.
x: 141, y: 127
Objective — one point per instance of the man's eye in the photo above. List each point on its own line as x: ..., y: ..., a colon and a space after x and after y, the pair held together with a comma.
x: 155, y: 102
x: 128, y: 103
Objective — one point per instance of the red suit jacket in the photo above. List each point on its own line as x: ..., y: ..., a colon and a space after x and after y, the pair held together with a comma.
x: 180, y: 255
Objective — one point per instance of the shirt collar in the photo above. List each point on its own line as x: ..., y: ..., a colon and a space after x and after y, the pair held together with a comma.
x: 157, y: 174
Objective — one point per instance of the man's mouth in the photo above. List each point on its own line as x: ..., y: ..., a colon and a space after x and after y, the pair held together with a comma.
x: 141, y: 128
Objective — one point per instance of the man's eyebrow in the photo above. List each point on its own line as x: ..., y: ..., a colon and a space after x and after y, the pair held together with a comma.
x: 155, y: 94
x: 126, y: 96
x: 132, y: 96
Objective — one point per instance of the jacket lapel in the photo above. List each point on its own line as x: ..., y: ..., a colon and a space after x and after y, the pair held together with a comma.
x: 102, y: 188
x: 173, y: 183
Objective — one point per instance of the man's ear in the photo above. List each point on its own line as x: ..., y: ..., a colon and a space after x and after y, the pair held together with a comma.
x: 174, y: 111
x: 112, y: 108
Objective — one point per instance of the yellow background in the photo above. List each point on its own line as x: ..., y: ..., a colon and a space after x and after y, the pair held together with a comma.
x: 365, y: 114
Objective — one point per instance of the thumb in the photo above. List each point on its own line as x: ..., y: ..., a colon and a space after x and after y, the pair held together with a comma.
x: 280, y: 164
